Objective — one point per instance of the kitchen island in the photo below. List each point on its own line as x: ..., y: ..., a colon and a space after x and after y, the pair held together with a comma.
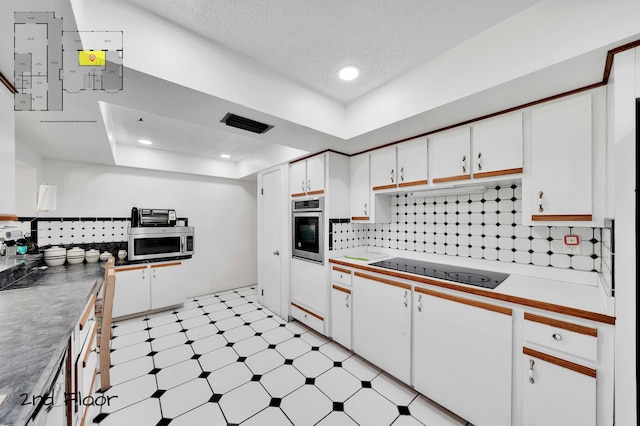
x: 38, y: 313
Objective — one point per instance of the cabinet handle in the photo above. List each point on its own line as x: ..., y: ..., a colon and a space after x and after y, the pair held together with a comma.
x: 154, y: 272
x: 479, y: 161
x: 365, y: 209
x: 531, y: 363
x: 557, y: 337
x: 464, y: 164
x: 309, y: 185
x: 406, y: 302
x: 276, y: 253
x: 540, y: 194
x: 346, y: 301
x: 419, y: 303
x: 302, y: 186
x: 402, y: 174
x: 392, y: 181
x: 143, y: 273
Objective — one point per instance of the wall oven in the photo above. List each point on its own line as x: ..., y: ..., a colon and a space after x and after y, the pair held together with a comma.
x: 160, y: 242
x: 308, y: 229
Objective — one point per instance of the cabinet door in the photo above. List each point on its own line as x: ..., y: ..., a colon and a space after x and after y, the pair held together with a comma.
x: 383, y: 168
x: 382, y: 323
x: 557, y: 392
x: 341, y: 315
x: 132, y: 291
x: 298, y: 178
x: 412, y: 163
x: 309, y: 285
x: 497, y: 146
x: 462, y: 356
x: 449, y: 156
x: 167, y: 285
x: 315, y: 175
x: 359, y: 187
x: 561, y: 163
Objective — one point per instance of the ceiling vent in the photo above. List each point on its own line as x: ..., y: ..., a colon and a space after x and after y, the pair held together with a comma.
x: 245, y: 123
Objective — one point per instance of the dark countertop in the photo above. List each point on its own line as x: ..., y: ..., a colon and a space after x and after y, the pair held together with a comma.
x: 37, y: 315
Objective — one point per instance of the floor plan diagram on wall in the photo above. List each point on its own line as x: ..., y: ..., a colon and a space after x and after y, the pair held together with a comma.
x: 50, y: 61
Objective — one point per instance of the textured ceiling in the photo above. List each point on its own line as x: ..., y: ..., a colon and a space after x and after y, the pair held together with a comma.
x: 309, y: 41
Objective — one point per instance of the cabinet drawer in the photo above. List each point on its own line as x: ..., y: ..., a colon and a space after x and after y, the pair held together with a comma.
x: 340, y: 276
x: 308, y: 318
x: 563, y: 336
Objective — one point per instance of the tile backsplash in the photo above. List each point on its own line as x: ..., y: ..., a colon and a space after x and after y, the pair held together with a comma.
x: 480, y: 226
x: 102, y: 232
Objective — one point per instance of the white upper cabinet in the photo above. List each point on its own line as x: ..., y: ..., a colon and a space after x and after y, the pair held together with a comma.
x: 383, y: 168
x: 307, y: 177
x: 449, y: 155
x: 360, y: 189
x: 412, y: 163
x: 560, y: 186
x: 497, y: 146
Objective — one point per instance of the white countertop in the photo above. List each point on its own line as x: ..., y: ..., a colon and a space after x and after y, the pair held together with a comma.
x: 573, y: 289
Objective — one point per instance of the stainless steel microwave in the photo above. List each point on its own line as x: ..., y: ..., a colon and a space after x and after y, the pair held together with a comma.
x: 160, y: 242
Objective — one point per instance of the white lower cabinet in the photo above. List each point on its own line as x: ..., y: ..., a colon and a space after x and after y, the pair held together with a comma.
x: 382, y: 323
x: 341, y: 302
x: 140, y: 288
x: 462, y: 356
x: 557, y: 392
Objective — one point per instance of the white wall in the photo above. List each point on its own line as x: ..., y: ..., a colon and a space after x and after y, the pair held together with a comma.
x: 7, y: 153
x: 223, y: 212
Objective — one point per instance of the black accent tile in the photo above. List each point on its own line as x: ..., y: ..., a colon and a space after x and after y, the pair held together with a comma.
x: 163, y: 422
x: 297, y: 335
x: 404, y: 410
x: 337, y: 364
x: 258, y: 334
x: 246, y: 323
x: 315, y: 348
x: 212, y: 322
x: 196, y: 356
x: 229, y: 344
x: 310, y: 381
x: 338, y: 406
x: 236, y: 315
x: 155, y: 371
x: 366, y: 384
x: 188, y: 342
x: 204, y: 375
x: 158, y: 393
x: 152, y: 353
x: 215, y: 397
x: 148, y: 328
x: 288, y: 362
x: 183, y: 330
x: 150, y: 339
x: 256, y: 377
x: 271, y: 346
x: 100, y: 417
x: 275, y: 402
x: 220, y: 332
x: 282, y: 325
x: 242, y: 359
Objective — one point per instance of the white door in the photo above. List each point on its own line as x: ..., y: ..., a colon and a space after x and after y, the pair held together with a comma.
x: 132, y: 292
x: 360, y: 189
x: 449, y: 154
x: 412, y: 162
x: 341, y: 315
x: 497, y: 146
x: 167, y: 285
x: 315, y: 174
x: 383, y: 168
x: 271, y: 241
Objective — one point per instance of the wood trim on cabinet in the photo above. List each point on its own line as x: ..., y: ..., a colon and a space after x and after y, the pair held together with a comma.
x: 339, y: 269
x: 574, y: 312
x: 317, y: 153
x: 497, y: 173
x: 560, y: 362
x: 94, y: 333
x: 162, y: 265
x: 316, y: 192
x: 359, y: 217
x: 299, y: 194
x: 87, y: 311
x: 414, y: 183
x: 130, y: 268
x: 477, y: 304
x: 581, y: 329
x: 610, y: 54
x: 381, y: 187
x: 9, y: 217
x: 451, y: 178
x: 562, y: 217
x: 342, y: 289
x: 313, y: 314
x: 383, y: 280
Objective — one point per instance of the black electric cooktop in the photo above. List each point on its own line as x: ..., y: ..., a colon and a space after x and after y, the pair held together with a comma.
x: 476, y: 277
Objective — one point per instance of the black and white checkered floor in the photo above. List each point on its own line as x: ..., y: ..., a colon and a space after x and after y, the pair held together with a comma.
x: 224, y: 359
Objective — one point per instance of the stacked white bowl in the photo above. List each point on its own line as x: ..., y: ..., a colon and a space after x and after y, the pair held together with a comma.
x: 55, y: 256
x: 105, y: 256
x: 75, y: 255
x: 92, y: 255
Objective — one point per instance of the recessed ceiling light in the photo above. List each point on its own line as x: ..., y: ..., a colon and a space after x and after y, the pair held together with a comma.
x: 348, y: 73
x: 145, y: 142
x: 225, y: 156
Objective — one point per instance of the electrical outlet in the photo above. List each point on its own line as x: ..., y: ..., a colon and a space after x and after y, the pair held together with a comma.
x: 571, y: 244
